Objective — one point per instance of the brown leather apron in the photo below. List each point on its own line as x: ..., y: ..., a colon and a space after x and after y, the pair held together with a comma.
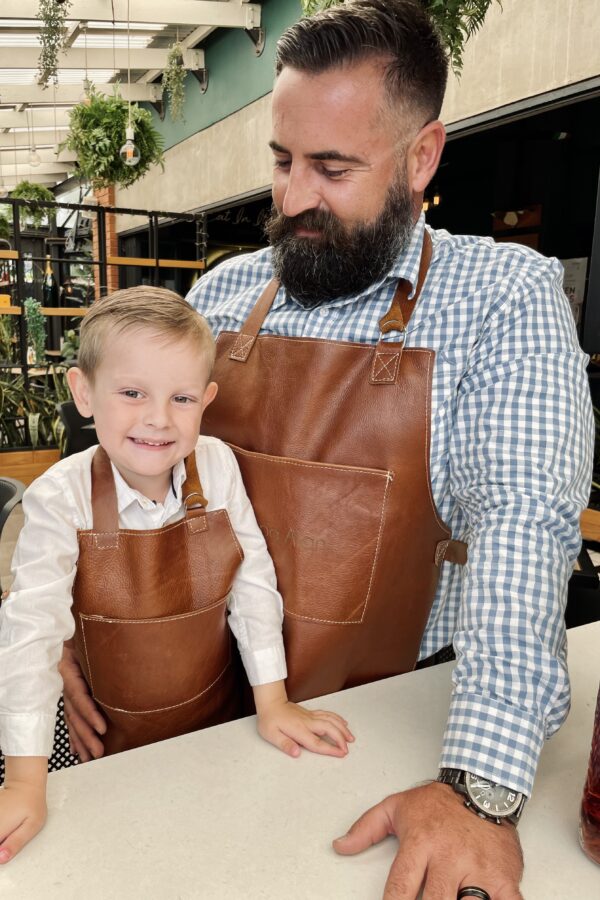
x: 332, y: 438
x: 150, y: 610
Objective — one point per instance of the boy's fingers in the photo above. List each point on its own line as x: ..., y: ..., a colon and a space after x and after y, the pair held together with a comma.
x: 327, y: 712
x: 18, y: 838
x: 288, y: 746
x: 324, y: 715
x: 313, y: 741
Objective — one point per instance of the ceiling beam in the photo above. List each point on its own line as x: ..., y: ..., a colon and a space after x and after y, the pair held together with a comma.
x: 24, y: 170
x: 11, y: 119
x: 70, y: 93
x: 197, y: 35
x: 75, y: 58
x: 231, y: 14
x: 65, y: 158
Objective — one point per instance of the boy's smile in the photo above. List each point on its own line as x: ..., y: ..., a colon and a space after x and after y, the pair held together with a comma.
x: 147, y: 397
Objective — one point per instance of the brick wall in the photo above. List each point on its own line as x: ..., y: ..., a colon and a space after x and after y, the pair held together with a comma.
x: 106, y: 197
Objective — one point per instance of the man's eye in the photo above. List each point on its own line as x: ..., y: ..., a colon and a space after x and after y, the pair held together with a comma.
x: 282, y: 163
x: 334, y: 173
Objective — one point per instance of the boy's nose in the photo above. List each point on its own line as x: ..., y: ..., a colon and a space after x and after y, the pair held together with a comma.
x: 157, y: 415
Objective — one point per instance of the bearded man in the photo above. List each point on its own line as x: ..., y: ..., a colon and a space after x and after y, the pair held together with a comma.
x: 412, y: 418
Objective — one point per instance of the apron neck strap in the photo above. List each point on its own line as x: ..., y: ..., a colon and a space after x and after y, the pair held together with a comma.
x: 192, y: 493
x: 399, y: 313
x: 105, y: 510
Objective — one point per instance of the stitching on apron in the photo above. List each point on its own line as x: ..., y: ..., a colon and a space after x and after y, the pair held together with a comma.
x: 111, y: 620
x: 266, y: 337
x: 86, y: 654
x: 375, y: 557
x: 384, y: 367
x: 137, y: 532
x: 242, y: 346
x: 442, y: 524
x: 286, y: 461
x: 106, y: 540
x: 142, y: 712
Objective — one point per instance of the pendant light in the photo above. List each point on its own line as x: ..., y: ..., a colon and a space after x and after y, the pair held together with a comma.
x: 129, y: 152
x: 34, y: 159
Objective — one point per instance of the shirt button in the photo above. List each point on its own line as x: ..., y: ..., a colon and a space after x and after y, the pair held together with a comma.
x: 323, y: 311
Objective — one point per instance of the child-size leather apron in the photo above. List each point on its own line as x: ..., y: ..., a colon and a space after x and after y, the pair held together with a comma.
x: 332, y: 438
x: 150, y: 610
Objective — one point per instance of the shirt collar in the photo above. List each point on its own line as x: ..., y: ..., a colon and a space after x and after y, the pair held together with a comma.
x: 405, y: 266
x: 127, y: 495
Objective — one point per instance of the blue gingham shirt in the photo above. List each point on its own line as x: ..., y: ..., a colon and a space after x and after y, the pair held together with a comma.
x: 511, y: 452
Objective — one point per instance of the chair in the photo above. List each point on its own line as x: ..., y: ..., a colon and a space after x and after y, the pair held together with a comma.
x: 79, y: 430
x: 11, y: 493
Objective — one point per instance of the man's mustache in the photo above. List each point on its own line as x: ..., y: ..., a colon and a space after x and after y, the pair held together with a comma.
x: 279, y: 226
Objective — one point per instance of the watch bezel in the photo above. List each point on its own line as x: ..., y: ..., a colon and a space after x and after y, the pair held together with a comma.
x: 512, y: 810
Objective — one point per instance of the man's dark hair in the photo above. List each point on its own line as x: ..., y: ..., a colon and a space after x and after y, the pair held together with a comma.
x: 398, y: 31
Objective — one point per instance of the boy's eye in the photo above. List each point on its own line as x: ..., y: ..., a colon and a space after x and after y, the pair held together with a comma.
x: 183, y: 400
x: 133, y: 395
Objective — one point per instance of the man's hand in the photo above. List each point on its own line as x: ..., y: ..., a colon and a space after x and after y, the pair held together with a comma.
x: 81, y: 714
x: 443, y: 846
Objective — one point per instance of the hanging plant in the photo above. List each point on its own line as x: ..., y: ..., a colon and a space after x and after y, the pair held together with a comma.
x: 97, y: 133
x: 457, y: 20
x: 173, y: 81
x: 34, y: 215
x: 53, y: 15
x: 5, y: 227
x: 36, y: 329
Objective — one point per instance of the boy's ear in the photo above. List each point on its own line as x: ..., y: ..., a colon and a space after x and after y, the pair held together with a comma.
x: 209, y: 394
x: 80, y: 389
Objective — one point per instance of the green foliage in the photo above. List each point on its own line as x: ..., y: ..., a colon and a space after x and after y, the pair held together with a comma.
x: 97, y: 133
x: 457, y: 20
x: 34, y: 406
x: 53, y: 15
x: 35, y: 215
x: 173, y: 81
x: 36, y: 329
x: 70, y: 347
x: 8, y: 339
x: 5, y: 226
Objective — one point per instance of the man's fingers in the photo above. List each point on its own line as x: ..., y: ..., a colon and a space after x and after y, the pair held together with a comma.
x: 372, y: 827
x: 406, y: 877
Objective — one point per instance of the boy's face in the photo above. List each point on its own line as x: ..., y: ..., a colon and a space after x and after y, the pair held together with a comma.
x: 147, y: 400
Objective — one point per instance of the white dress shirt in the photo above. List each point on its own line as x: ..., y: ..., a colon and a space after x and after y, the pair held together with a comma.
x: 36, y: 617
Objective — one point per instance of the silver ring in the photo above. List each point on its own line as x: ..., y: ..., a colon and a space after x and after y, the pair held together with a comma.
x: 473, y: 892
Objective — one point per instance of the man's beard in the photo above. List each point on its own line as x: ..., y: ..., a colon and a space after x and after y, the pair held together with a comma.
x: 341, y: 261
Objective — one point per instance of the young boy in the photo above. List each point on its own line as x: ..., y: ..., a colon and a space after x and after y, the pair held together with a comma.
x: 141, y: 546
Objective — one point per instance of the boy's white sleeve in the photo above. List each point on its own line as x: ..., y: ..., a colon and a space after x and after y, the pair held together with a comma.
x: 255, y: 606
x: 36, y: 618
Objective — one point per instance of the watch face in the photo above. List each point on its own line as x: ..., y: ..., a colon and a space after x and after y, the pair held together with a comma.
x: 492, y: 799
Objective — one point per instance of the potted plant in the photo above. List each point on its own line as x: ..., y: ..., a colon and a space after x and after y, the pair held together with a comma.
x: 173, y: 81
x: 53, y: 15
x: 36, y: 216
x: 36, y: 329
x: 97, y: 132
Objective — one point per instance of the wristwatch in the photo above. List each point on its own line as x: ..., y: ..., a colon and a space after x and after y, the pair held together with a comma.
x: 486, y: 798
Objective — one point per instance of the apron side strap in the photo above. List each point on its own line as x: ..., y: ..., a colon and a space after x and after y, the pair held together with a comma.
x: 245, y: 340
x: 105, y: 511
x: 193, y: 496
x: 451, y: 551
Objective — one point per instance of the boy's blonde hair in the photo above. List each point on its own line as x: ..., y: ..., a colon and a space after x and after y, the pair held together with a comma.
x: 158, y: 309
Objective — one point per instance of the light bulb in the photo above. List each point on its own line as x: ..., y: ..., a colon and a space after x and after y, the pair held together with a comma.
x: 34, y: 158
x: 437, y: 199
x: 129, y: 152
x: 84, y: 96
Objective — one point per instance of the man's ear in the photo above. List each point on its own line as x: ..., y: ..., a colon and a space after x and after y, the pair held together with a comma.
x: 80, y: 389
x: 424, y: 154
x: 209, y: 394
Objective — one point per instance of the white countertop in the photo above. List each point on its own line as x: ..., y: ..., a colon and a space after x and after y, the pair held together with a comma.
x: 221, y: 815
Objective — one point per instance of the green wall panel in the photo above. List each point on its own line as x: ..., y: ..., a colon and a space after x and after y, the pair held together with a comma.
x: 236, y: 75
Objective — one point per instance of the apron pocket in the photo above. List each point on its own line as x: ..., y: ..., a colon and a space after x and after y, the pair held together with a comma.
x: 148, y: 665
x: 323, y: 525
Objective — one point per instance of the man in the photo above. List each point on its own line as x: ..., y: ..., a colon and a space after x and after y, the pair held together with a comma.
x: 480, y: 343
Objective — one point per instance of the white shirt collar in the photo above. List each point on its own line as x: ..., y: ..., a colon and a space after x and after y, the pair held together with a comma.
x: 127, y: 495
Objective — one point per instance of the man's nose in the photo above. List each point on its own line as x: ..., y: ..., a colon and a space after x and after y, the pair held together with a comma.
x: 300, y: 194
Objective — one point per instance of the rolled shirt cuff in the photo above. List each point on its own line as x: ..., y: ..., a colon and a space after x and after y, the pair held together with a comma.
x: 266, y: 665
x: 493, y: 739
x: 27, y: 734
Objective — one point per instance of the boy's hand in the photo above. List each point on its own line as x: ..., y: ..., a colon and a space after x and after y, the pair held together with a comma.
x: 22, y: 804
x: 83, y: 720
x: 290, y: 727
